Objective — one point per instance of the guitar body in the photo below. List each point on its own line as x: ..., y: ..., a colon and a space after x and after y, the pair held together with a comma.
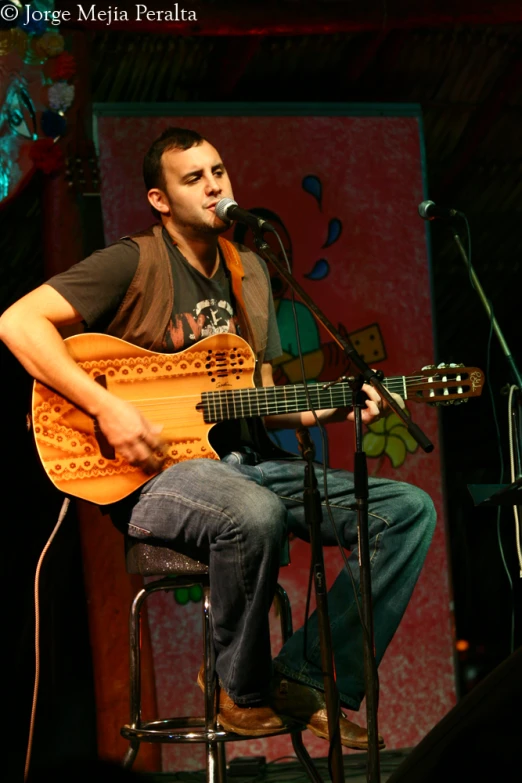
x: 167, y: 389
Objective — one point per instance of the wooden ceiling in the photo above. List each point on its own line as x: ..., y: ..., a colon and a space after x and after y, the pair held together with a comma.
x: 460, y: 61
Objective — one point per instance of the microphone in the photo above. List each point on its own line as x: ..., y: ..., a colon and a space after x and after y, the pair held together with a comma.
x: 428, y: 210
x: 228, y: 210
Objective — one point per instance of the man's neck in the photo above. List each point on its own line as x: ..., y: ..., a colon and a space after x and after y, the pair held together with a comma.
x: 201, y: 252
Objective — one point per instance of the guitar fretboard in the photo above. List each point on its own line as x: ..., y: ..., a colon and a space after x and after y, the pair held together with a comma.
x: 243, y: 403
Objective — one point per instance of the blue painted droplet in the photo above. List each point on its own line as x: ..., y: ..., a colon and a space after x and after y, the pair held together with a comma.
x: 320, y: 270
x: 312, y: 184
x: 334, y: 231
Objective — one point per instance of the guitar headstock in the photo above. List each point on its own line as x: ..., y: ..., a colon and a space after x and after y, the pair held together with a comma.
x: 445, y: 384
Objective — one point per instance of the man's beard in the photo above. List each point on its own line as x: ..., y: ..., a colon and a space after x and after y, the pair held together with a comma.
x: 203, y: 229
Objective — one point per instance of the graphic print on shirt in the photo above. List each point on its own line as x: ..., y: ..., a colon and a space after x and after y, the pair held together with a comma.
x: 210, y: 316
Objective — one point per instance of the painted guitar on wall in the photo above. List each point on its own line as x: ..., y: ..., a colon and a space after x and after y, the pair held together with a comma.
x: 187, y: 393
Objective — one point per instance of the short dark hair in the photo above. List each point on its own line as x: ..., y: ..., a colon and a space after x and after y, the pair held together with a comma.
x: 170, y: 139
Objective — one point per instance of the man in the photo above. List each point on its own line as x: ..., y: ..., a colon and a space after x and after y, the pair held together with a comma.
x: 167, y: 288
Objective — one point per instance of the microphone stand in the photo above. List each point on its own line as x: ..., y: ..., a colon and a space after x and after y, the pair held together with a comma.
x: 517, y: 378
x: 366, y: 375
x: 313, y: 516
x: 513, y: 369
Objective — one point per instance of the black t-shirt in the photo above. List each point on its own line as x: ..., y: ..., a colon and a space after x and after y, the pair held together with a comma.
x: 203, y: 306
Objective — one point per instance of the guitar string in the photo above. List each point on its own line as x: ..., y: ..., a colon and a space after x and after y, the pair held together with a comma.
x: 228, y: 408
x: 243, y: 406
x: 287, y: 390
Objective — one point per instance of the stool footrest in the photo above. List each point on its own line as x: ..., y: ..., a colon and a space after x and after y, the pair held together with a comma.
x: 174, y: 730
x: 185, y: 729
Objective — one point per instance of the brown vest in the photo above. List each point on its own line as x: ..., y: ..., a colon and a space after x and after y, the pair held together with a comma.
x: 146, y: 309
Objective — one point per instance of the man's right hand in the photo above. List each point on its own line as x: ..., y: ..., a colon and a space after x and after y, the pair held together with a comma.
x: 30, y: 330
x: 135, y: 438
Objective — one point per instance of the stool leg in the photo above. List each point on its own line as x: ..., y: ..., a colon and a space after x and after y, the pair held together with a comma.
x: 285, y: 614
x: 222, y: 762
x: 304, y: 757
x: 135, y: 674
x: 215, y: 751
x: 130, y: 756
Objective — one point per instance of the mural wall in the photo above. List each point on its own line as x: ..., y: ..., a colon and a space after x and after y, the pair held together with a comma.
x: 343, y: 192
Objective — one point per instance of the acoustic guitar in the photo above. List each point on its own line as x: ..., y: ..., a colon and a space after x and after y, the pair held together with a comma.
x: 187, y: 393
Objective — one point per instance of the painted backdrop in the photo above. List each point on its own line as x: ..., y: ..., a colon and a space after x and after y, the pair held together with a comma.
x: 344, y: 191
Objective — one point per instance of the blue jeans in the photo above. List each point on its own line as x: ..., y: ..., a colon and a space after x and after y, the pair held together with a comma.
x: 235, y: 514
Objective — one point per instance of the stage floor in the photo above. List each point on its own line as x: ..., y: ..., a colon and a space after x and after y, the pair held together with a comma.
x: 287, y: 770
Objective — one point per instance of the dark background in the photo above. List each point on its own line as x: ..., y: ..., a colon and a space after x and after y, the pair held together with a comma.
x: 462, y: 62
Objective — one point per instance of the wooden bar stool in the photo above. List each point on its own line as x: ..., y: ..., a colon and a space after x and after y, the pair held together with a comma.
x: 154, y: 558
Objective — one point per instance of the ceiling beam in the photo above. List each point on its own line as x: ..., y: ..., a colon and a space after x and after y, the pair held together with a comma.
x: 366, y: 55
x: 233, y: 63
x: 277, y: 17
x: 481, y: 122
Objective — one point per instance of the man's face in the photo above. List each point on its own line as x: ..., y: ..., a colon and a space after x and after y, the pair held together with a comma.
x: 195, y: 180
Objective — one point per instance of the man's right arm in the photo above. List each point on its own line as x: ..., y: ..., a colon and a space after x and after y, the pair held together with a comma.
x: 29, y: 328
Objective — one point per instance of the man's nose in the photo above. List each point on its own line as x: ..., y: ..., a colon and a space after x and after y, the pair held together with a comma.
x: 213, y: 185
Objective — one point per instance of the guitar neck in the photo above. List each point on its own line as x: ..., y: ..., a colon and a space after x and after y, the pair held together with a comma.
x: 271, y: 400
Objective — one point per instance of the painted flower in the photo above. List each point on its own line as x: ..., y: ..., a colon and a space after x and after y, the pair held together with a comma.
x: 388, y: 436
x: 61, y: 95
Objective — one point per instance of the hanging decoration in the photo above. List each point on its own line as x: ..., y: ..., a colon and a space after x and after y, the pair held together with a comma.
x: 46, y: 156
x: 35, y: 92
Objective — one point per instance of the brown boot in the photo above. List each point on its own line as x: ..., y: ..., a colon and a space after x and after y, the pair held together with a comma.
x: 307, y: 704
x: 247, y: 721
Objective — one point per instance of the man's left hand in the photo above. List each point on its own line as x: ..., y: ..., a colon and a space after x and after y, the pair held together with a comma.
x: 375, y: 405
x: 375, y: 408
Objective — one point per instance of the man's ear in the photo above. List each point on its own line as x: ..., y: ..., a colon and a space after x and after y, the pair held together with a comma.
x: 158, y: 200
